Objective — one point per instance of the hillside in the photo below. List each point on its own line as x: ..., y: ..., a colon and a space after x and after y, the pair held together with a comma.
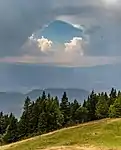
x: 98, y: 135
x: 13, y: 101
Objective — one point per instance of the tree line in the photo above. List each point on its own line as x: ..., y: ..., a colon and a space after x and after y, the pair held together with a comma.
x: 49, y: 113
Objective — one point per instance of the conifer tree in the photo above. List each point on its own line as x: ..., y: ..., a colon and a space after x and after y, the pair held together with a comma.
x: 11, y: 134
x: 91, y: 106
x: 73, y: 108
x: 81, y: 114
x: 115, y: 109
x: 25, y: 119
x: 113, y: 96
x: 102, y: 107
x: 65, y: 108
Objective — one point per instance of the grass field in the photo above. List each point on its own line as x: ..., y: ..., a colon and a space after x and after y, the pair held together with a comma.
x: 98, y: 135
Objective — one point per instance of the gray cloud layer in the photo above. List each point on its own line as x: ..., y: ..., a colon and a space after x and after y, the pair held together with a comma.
x: 20, y: 18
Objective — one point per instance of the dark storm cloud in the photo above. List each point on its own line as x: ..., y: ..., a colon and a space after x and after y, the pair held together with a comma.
x: 18, y: 19
x: 103, y: 25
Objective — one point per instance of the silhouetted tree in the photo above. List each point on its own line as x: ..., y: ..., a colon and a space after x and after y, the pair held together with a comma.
x: 11, y: 134
x: 65, y: 108
x: 25, y: 119
x: 91, y: 106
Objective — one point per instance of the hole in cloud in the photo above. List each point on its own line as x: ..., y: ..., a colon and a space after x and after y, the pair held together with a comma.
x: 59, y: 36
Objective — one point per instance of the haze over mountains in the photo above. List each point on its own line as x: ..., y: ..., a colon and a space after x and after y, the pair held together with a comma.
x: 24, y: 77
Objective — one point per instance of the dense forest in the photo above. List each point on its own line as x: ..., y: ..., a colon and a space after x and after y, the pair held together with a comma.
x: 49, y: 113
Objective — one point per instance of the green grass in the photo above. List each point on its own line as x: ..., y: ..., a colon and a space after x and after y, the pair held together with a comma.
x: 104, y: 133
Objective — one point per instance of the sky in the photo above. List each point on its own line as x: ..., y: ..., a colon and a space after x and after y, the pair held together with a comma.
x: 99, y: 22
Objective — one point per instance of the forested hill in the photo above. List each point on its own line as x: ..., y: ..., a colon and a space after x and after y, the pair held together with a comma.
x: 13, y: 101
x: 48, y: 113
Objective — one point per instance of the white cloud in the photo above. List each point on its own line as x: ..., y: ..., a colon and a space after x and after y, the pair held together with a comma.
x: 43, y: 44
x: 111, y: 2
x: 78, y: 26
x: 31, y: 37
x: 75, y: 45
x: 62, y: 53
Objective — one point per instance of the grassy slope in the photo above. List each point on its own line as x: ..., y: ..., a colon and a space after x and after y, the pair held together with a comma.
x: 104, y: 133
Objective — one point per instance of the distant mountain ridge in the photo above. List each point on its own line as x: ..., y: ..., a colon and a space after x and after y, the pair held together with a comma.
x: 13, y: 101
x: 72, y: 93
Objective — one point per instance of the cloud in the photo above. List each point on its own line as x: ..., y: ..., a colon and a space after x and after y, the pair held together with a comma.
x: 75, y: 45
x: 43, y: 44
x: 19, y: 19
x: 43, y: 50
x: 78, y: 26
x: 85, y: 61
x: 70, y: 54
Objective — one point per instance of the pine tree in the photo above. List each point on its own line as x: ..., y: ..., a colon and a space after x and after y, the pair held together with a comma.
x: 102, y: 107
x: 50, y: 118
x: 91, y: 106
x: 49, y: 97
x: 54, y: 116
x: 81, y: 114
x: 84, y: 103
x: 56, y: 101
x: 42, y: 123
x: 11, y: 134
x: 113, y: 96
x: 25, y: 119
x: 4, y: 122
x: 65, y: 108
x: 119, y: 93
x: 73, y: 108
x: 115, y: 109
x: 43, y: 96
x: 33, y: 118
